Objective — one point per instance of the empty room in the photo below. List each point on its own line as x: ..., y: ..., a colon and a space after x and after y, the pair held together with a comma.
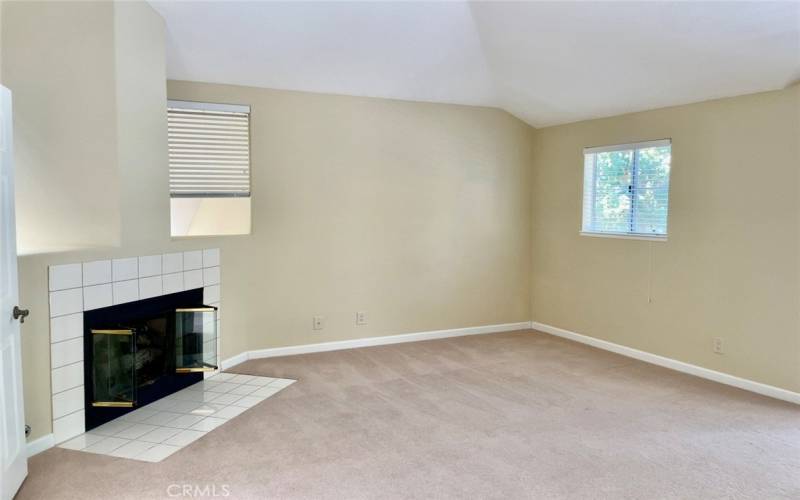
x: 396, y: 250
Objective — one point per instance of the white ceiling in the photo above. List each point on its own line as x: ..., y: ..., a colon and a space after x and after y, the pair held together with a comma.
x: 545, y: 62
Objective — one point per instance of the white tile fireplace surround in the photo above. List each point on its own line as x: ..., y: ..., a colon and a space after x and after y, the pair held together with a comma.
x: 75, y: 288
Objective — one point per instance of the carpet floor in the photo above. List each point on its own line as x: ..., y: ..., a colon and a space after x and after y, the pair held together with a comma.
x: 507, y: 415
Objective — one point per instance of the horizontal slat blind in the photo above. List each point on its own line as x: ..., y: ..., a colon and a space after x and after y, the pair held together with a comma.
x: 626, y: 189
x: 209, y: 151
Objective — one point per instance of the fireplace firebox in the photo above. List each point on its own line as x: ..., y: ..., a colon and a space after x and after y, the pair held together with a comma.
x: 139, y: 352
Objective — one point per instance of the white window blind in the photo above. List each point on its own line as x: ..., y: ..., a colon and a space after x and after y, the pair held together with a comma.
x: 209, y: 150
x: 626, y: 189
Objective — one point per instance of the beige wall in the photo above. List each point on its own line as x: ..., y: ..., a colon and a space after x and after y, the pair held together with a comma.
x: 58, y: 60
x: 417, y: 213
x: 730, y: 266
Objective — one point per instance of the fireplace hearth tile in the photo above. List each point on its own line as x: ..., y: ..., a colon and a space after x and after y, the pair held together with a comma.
x: 225, y: 399
x: 248, y: 401
x: 159, y: 434
x: 162, y: 417
x: 139, y: 415
x: 82, y: 442
x: 230, y: 411
x: 185, y: 437
x: 111, y: 428
x: 132, y: 449
x: 158, y: 453
x: 207, y: 409
x: 208, y: 424
x: 184, y: 406
x: 266, y: 391
x: 197, y: 396
x: 136, y: 431
x: 163, y: 404
x: 106, y: 445
x: 150, y: 434
x: 281, y: 382
x: 244, y: 390
x: 223, y: 387
x: 261, y: 381
x: 242, y: 379
x: 184, y: 421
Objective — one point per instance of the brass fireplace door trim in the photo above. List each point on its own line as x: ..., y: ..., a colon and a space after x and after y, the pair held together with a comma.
x: 113, y: 404
x: 113, y: 332
x: 197, y: 369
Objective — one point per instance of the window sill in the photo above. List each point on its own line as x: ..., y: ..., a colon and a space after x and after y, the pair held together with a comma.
x: 624, y: 236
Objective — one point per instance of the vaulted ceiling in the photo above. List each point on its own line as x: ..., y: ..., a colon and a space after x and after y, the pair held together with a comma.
x: 544, y: 62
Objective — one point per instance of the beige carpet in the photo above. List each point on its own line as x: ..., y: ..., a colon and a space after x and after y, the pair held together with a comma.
x: 510, y: 415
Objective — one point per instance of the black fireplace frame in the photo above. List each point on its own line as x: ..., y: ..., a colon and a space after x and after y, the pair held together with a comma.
x: 122, y: 316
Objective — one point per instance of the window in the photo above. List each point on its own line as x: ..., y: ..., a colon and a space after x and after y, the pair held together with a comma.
x: 626, y: 189
x: 209, y: 168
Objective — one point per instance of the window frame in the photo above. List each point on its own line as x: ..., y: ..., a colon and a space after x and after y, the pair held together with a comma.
x: 635, y: 147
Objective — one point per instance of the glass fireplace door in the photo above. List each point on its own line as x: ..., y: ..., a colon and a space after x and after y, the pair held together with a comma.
x: 195, y: 339
x: 114, y: 368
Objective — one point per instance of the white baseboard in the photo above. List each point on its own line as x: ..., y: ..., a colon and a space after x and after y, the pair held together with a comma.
x: 234, y: 360
x: 372, y: 341
x: 40, y: 444
x: 698, y: 371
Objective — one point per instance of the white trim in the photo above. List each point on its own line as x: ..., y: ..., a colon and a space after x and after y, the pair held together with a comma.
x: 41, y: 444
x: 698, y: 371
x: 208, y: 106
x: 624, y: 236
x: 625, y: 147
x: 372, y: 341
x: 234, y: 360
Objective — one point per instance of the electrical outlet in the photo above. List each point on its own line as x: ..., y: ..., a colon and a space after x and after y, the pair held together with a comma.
x: 361, y: 318
x: 319, y: 322
x: 719, y: 348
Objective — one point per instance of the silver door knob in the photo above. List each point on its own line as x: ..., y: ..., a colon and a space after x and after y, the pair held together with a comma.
x: 20, y: 314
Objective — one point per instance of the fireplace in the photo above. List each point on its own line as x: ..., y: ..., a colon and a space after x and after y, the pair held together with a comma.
x: 139, y: 352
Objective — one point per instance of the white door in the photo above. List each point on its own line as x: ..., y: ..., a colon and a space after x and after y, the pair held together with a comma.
x: 13, y: 457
